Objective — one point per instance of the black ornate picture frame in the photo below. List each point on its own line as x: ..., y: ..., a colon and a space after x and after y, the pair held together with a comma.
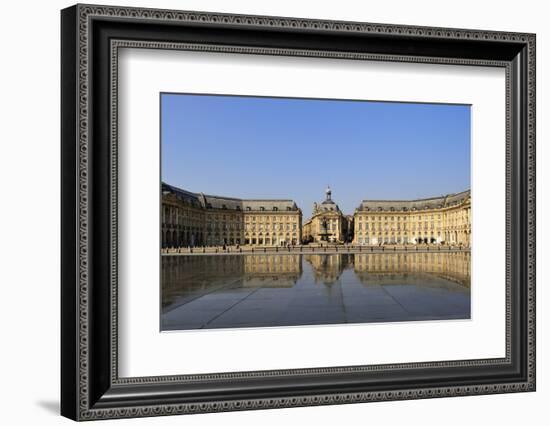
x: 90, y: 385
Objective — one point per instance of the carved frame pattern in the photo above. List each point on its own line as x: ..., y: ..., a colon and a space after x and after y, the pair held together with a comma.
x: 85, y: 409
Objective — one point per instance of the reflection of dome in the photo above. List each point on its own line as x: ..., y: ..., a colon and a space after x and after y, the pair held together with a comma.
x: 327, y: 268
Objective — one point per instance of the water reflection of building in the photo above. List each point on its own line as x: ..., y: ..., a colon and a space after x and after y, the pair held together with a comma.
x: 453, y: 266
x: 327, y: 268
x: 272, y: 270
x: 272, y: 264
x: 196, y: 219
x: 328, y: 223
x: 439, y: 220
x: 204, y: 273
x: 197, y: 274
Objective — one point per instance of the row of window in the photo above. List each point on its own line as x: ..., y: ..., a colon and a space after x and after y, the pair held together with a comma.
x: 273, y: 234
x: 178, y: 217
x: 248, y: 208
x: 367, y: 218
x: 273, y: 218
x: 217, y: 225
x: 393, y: 233
x: 453, y: 215
x: 413, y: 259
x: 270, y: 241
x: 398, y: 227
x: 273, y: 226
x: 233, y: 227
x: 271, y: 259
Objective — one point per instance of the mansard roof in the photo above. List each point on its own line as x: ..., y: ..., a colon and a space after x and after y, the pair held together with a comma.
x: 328, y: 206
x: 270, y: 205
x: 229, y: 203
x: 217, y: 202
x: 418, y: 204
x: 183, y: 195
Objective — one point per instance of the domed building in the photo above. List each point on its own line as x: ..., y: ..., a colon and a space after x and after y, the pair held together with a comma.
x: 328, y: 223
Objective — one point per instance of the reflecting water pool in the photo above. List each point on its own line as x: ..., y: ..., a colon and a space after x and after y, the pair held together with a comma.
x: 263, y: 290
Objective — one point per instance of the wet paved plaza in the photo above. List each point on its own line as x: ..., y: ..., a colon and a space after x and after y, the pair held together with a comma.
x: 261, y: 290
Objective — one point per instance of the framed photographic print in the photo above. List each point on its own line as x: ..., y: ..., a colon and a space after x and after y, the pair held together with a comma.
x: 263, y: 212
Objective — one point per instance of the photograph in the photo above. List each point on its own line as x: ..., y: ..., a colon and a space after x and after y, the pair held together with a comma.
x: 278, y: 211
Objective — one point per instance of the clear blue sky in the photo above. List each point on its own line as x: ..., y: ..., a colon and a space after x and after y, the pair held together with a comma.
x: 251, y: 147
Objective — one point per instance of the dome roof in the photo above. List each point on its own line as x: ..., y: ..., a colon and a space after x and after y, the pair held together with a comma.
x: 327, y: 204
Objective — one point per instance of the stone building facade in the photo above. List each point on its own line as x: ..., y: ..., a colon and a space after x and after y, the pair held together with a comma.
x: 191, y: 219
x: 194, y: 219
x: 440, y: 220
x: 328, y: 223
